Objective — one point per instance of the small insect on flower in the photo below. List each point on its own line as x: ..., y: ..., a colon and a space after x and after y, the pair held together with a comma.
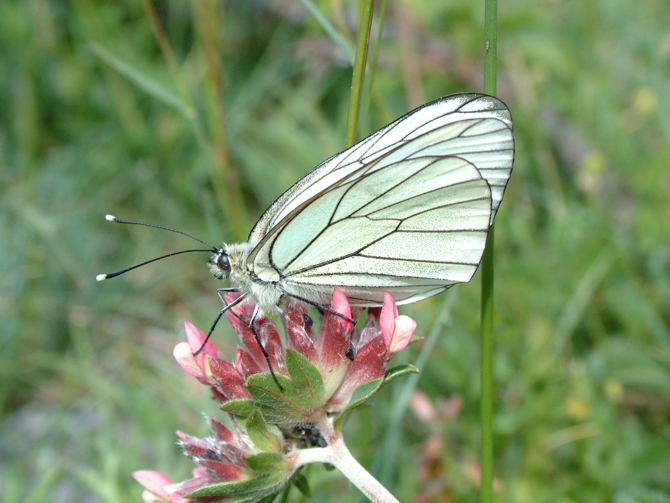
x: 406, y: 211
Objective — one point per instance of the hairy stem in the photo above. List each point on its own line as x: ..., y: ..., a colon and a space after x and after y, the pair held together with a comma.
x: 337, y: 454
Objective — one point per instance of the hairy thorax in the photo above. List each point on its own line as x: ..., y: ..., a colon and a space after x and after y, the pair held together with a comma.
x: 266, y: 294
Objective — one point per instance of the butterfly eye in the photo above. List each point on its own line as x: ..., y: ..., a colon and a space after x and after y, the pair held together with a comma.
x: 223, y: 262
x: 219, y: 264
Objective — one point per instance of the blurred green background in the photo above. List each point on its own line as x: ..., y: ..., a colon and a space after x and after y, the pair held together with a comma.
x: 149, y: 110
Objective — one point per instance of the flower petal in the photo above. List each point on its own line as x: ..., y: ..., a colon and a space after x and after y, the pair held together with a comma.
x: 387, y: 318
x: 184, y: 356
x: 154, y: 482
x: 196, y: 338
x: 332, y: 345
x: 404, y: 329
x: 222, y: 433
x: 245, y: 364
x: 342, y: 306
x: 222, y: 471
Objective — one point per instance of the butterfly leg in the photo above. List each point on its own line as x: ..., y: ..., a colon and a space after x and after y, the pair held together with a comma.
x: 349, y: 353
x: 216, y: 321
x: 222, y: 291
x: 321, y: 307
x: 252, y: 322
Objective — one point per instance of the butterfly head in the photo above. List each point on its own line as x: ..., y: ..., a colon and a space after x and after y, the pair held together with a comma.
x: 228, y: 262
x: 219, y: 264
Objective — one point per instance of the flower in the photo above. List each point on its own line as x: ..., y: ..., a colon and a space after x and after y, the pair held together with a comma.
x: 184, y: 353
x: 158, y: 488
x: 397, y: 330
x: 280, y: 397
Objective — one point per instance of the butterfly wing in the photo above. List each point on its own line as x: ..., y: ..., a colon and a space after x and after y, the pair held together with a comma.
x: 406, y: 210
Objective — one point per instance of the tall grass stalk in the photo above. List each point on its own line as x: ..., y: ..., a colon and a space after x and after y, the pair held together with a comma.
x: 224, y: 179
x: 358, y: 78
x: 490, y: 59
x: 226, y: 183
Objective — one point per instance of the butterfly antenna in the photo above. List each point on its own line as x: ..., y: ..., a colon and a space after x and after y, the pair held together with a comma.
x: 112, y: 218
x: 102, y: 277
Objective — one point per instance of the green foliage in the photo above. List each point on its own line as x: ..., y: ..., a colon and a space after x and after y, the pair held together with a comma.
x: 265, y: 437
x: 95, y: 119
x: 302, y: 392
x: 369, y: 389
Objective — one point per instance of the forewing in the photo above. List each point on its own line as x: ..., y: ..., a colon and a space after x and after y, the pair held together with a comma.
x: 411, y: 229
x: 406, y: 210
x: 475, y: 127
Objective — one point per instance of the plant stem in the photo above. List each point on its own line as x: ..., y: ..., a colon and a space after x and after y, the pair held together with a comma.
x: 490, y: 58
x: 358, y: 76
x: 487, y: 372
x: 224, y: 178
x: 337, y: 454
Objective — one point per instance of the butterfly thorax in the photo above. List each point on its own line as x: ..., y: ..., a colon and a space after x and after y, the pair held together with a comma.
x: 230, y: 262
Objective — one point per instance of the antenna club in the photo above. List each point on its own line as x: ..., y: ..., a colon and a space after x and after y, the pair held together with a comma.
x: 101, y: 277
x: 110, y: 218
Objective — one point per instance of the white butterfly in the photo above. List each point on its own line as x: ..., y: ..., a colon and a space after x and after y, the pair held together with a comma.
x: 405, y: 211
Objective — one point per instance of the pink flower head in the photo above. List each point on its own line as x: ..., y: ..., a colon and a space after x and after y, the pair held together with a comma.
x: 278, y: 395
x: 344, y: 358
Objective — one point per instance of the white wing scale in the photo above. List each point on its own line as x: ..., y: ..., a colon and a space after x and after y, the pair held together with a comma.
x: 405, y: 211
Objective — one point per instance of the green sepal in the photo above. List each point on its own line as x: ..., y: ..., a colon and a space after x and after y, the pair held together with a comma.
x: 368, y: 389
x: 240, y: 408
x: 266, y: 462
x: 305, y: 376
x: 247, y: 490
x: 301, y: 394
x: 265, y: 437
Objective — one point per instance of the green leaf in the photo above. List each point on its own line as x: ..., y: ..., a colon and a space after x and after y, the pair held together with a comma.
x: 300, y: 482
x: 141, y: 79
x: 264, y: 436
x: 247, y: 490
x: 267, y: 499
x: 241, y: 408
x: 368, y: 389
x: 306, y: 378
x: 266, y: 461
x: 293, y: 403
x: 267, y: 395
x: 399, y: 371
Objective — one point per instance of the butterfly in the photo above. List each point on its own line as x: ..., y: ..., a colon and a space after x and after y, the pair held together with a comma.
x: 406, y: 211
